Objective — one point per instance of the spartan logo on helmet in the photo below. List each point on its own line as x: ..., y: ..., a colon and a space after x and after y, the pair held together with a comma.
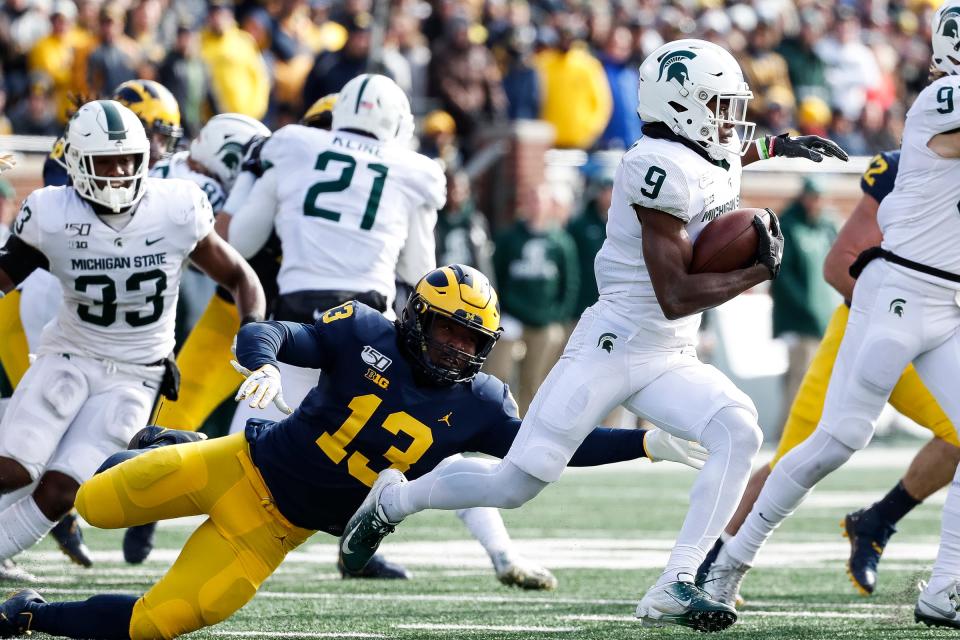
x: 949, y: 26
x: 230, y: 154
x: 672, y: 63
x: 606, y: 341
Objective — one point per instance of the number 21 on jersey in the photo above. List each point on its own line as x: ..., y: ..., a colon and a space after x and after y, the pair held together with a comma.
x: 348, y: 167
x: 361, y: 409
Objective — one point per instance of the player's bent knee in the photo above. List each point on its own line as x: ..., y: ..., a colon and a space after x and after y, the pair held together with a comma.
x: 734, y: 426
x: 97, y: 502
x: 515, y: 486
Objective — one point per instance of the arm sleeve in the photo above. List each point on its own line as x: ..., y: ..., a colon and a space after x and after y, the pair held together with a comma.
x: 419, y: 253
x: 18, y: 259
x: 602, y: 446
x: 655, y: 182
x: 300, y: 345
x: 878, y: 180
x: 251, y: 225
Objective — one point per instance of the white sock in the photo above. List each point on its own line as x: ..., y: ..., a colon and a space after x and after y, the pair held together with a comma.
x: 486, y: 525
x: 733, y: 438
x: 8, y: 499
x: 22, y: 525
x: 786, y: 488
x: 946, y: 569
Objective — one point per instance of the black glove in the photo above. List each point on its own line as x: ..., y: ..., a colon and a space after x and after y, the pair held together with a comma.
x: 170, y: 383
x: 809, y: 147
x: 770, y: 247
x: 251, y: 155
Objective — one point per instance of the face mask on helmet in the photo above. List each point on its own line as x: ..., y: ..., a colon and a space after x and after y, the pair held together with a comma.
x: 450, y: 323
x: 946, y: 38
x: 107, y: 153
x: 697, y: 90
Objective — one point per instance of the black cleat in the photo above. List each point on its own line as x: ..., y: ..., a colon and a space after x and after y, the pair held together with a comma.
x: 69, y: 538
x: 15, y: 614
x: 138, y: 542
x: 868, y: 537
x: 378, y: 568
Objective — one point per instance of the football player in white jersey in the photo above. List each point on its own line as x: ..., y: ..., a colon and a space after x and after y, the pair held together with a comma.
x: 636, y: 346
x: 905, y: 308
x: 355, y: 210
x: 117, y: 241
x: 212, y: 163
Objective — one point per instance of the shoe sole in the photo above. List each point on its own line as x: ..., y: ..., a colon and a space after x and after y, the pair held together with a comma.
x: 703, y: 621
x: 860, y: 588
x: 930, y: 621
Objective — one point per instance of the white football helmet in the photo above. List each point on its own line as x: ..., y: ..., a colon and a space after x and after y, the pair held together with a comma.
x: 680, y: 78
x: 106, y: 128
x: 219, y: 147
x: 376, y: 105
x: 946, y: 37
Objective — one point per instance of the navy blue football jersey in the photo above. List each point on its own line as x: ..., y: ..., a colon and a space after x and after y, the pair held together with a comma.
x: 368, y: 412
x: 879, y: 178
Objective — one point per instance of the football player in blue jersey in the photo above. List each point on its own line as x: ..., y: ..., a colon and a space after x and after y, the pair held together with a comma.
x: 403, y: 395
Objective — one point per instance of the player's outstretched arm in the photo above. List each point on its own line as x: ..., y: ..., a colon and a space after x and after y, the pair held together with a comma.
x: 860, y: 232
x: 221, y: 262
x: 786, y: 146
x: 667, y: 251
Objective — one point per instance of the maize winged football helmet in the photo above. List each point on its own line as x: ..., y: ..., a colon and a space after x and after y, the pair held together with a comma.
x: 461, y: 294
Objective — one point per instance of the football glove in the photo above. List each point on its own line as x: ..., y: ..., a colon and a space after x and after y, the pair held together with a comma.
x: 660, y: 445
x: 809, y: 147
x: 261, y: 387
x: 7, y: 162
x: 770, y: 246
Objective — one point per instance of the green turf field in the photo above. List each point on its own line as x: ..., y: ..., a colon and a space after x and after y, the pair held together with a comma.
x: 605, y: 533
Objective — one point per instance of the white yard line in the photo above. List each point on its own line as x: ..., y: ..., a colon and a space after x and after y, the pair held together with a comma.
x: 297, y: 634
x: 485, y: 627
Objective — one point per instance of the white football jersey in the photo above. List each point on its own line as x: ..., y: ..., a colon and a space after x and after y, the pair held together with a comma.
x: 120, y: 287
x: 920, y: 219
x: 670, y: 177
x: 351, y: 213
x: 176, y: 166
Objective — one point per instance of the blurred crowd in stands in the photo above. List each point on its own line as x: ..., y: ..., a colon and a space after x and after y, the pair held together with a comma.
x: 844, y: 69
x: 847, y: 70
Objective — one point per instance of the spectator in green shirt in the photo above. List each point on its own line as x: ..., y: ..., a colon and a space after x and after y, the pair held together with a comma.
x: 802, y: 300
x: 535, y: 262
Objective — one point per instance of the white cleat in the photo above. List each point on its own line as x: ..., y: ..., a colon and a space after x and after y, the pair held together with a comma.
x: 684, y: 604
x: 939, y: 608
x: 10, y: 571
x: 724, y: 578
x: 515, y: 571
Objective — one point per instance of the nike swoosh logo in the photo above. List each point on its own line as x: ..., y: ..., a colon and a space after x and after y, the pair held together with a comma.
x: 150, y: 242
x: 682, y: 603
x: 946, y: 613
x: 764, y: 519
x: 345, y: 546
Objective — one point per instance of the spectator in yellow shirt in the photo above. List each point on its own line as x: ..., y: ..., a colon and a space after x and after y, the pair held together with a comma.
x: 238, y: 74
x: 576, y: 98
x: 53, y: 54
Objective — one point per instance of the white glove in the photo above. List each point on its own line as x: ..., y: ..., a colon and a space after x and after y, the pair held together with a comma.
x: 261, y: 386
x: 660, y: 445
x: 6, y: 162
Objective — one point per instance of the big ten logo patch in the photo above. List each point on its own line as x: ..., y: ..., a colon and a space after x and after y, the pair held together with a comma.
x: 376, y: 378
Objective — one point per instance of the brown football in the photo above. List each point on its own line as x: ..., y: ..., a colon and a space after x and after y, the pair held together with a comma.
x: 728, y: 243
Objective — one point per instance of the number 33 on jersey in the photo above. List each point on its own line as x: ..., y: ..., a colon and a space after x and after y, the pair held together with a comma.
x: 119, y: 287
